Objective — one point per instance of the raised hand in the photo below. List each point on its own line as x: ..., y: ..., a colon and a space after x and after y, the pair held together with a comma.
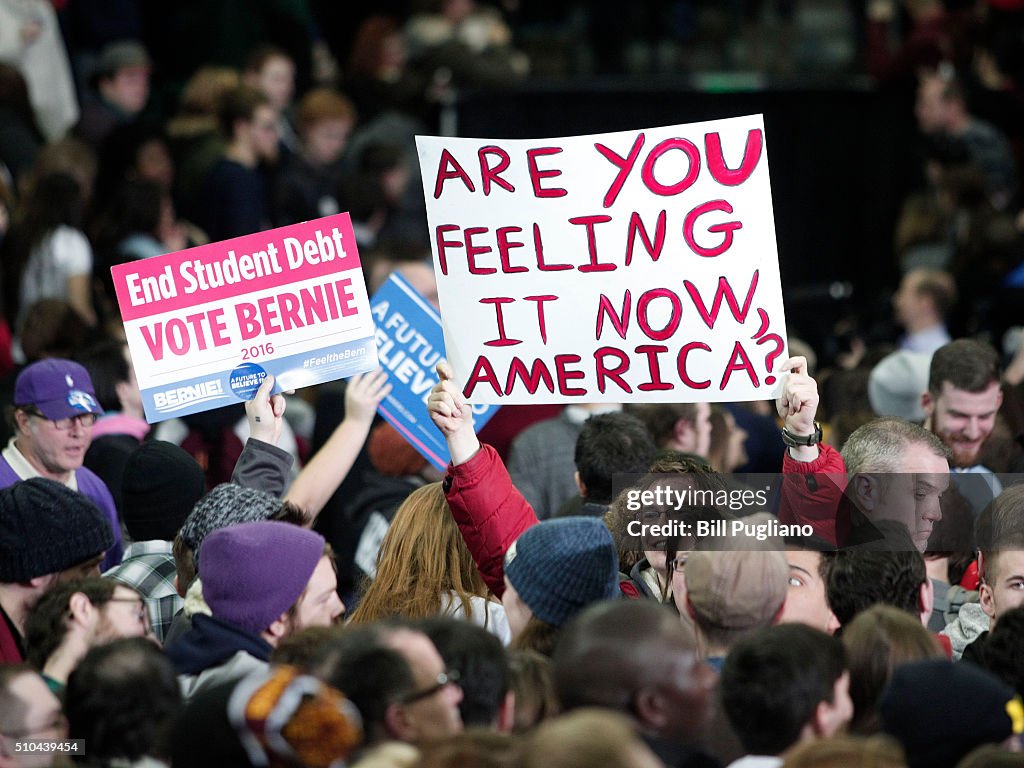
x: 363, y: 393
x: 265, y: 413
x: 452, y: 415
x: 798, y: 403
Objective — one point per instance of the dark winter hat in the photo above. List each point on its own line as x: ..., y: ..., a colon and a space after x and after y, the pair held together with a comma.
x: 45, y: 527
x: 160, y: 486
x: 58, y: 388
x: 120, y: 55
x: 227, y: 504
x: 559, y: 567
x: 254, y: 572
x: 940, y: 711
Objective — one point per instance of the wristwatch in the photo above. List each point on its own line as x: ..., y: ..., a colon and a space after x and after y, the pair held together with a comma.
x: 798, y: 441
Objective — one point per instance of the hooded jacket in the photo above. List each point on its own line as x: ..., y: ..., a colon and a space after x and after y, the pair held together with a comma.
x: 213, y: 652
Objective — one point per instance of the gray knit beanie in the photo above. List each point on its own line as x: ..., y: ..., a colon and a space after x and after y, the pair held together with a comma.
x: 227, y: 504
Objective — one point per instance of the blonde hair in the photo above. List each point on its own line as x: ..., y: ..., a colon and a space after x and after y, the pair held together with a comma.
x: 586, y: 736
x: 421, y: 558
x: 847, y: 752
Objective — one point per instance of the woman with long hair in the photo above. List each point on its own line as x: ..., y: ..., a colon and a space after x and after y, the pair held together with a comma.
x: 424, y: 569
x: 546, y: 572
x: 46, y: 255
x: 877, y: 641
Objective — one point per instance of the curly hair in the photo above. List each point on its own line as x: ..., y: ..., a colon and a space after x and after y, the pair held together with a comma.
x: 619, y: 516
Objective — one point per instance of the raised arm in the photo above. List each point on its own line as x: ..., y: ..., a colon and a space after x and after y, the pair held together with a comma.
x: 262, y: 465
x: 813, y: 475
x: 488, y: 509
x: 797, y: 407
x: 321, y: 477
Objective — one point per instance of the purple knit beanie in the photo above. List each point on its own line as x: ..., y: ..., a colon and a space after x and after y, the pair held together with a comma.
x: 254, y: 572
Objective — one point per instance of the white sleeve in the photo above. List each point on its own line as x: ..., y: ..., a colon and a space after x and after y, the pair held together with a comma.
x: 72, y: 252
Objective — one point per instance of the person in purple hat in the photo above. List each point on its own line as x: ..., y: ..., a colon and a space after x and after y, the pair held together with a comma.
x: 54, y: 409
x: 263, y: 581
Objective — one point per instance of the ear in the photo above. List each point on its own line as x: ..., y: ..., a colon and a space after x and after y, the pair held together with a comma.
x: 397, y: 723
x: 277, y: 630
x: 832, y: 625
x: 828, y: 717
x: 650, y: 709
x: 682, y: 432
x: 988, y: 603
x: 43, y: 583
x: 928, y: 406
x: 177, y: 587
x: 81, y: 609
x: 580, y: 485
x: 926, y: 599
x: 864, y: 488
x: 999, y: 399
x: 21, y: 422
x: 819, y: 720
x: 506, y: 719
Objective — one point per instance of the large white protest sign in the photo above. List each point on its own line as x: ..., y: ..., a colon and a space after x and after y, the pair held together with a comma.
x: 206, y: 325
x: 639, y: 265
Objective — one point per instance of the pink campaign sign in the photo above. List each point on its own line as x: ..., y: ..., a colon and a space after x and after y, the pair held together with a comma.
x: 231, y: 268
x: 207, y: 324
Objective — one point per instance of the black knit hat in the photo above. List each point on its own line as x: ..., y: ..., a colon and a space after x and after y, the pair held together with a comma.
x: 160, y: 485
x: 45, y: 527
x: 939, y: 711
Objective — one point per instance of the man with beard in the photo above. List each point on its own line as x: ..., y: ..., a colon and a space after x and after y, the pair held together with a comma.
x: 78, y: 615
x: 960, y: 407
x: 263, y: 581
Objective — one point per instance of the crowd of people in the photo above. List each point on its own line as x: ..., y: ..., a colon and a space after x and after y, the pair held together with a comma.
x: 289, y: 582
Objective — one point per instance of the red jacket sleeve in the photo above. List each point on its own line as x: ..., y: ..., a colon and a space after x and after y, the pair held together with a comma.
x: 489, y: 511
x: 812, y: 493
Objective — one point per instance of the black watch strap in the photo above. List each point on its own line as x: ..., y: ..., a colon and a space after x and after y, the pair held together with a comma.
x: 798, y: 441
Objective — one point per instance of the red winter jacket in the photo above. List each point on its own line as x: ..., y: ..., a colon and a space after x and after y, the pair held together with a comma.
x: 812, y: 493
x: 490, y: 512
x: 10, y: 642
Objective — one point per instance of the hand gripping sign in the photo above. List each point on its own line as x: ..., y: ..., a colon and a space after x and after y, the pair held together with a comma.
x: 207, y: 324
x: 639, y: 265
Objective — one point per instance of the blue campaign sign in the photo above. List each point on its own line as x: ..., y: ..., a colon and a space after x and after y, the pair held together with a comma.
x: 409, y: 346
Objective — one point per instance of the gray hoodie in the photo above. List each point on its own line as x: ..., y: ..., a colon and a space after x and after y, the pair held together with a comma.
x: 970, y: 622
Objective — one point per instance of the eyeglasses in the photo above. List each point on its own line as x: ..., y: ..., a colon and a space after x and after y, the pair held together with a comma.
x: 678, y: 563
x: 446, y: 678
x: 143, y: 612
x: 63, y: 425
